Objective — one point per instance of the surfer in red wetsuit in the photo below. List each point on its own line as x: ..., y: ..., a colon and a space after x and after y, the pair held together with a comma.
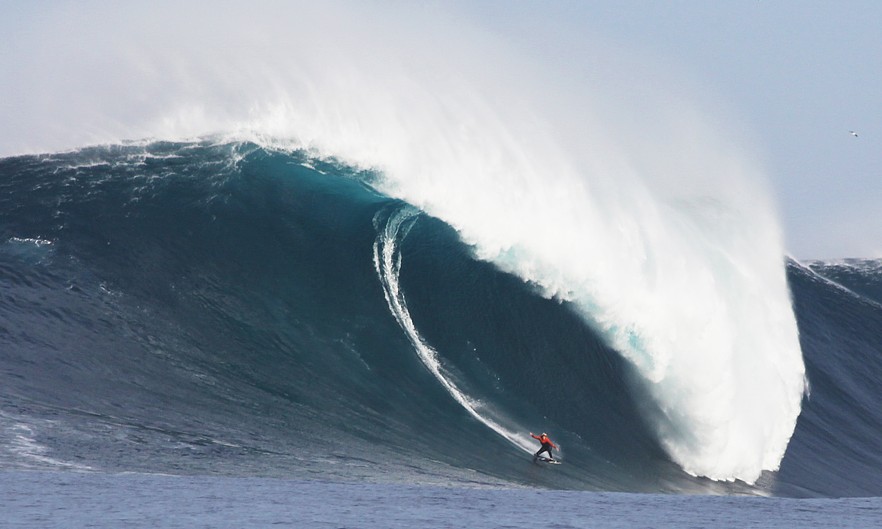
x: 547, y: 445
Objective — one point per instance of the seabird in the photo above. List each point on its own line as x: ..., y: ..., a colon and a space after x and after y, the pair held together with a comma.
x: 853, y: 133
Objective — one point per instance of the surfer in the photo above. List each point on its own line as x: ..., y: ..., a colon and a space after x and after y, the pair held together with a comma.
x: 547, y: 445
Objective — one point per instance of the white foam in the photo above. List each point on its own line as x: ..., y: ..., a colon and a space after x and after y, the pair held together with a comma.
x: 19, y: 440
x: 36, y: 241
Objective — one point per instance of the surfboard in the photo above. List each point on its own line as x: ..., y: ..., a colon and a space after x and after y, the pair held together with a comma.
x: 546, y: 460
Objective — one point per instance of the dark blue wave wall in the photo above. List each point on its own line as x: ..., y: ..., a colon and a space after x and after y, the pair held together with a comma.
x: 834, y: 451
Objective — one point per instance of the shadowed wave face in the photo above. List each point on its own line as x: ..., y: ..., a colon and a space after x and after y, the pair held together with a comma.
x: 224, y: 308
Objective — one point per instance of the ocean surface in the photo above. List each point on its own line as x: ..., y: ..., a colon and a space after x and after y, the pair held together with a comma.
x: 37, y: 499
x: 218, y: 333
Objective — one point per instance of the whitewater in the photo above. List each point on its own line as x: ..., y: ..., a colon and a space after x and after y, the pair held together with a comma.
x: 661, y: 235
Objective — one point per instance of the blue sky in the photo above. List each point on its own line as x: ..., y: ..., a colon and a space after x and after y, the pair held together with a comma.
x: 795, y: 77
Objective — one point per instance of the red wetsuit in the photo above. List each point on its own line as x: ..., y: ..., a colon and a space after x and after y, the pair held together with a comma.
x: 547, y: 445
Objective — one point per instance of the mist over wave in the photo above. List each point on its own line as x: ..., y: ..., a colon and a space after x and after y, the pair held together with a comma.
x: 663, y: 238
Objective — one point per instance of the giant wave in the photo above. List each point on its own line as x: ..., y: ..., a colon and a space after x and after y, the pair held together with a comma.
x: 663, y: 241
x: 222, y: 307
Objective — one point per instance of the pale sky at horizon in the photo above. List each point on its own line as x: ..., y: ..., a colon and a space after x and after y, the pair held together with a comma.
x: 799, y: 75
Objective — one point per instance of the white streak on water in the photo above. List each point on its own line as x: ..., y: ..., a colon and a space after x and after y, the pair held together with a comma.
x: 387, y: 262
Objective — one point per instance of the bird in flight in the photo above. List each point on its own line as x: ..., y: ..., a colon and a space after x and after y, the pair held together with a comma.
x: 853, y: 133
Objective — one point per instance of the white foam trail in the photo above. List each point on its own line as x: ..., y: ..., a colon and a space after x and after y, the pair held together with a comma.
x: 579, y: 175
x: 19, y: 440
x: 387, y: 262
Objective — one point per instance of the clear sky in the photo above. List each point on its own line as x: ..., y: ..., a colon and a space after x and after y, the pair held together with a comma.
x: 796, y: 75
